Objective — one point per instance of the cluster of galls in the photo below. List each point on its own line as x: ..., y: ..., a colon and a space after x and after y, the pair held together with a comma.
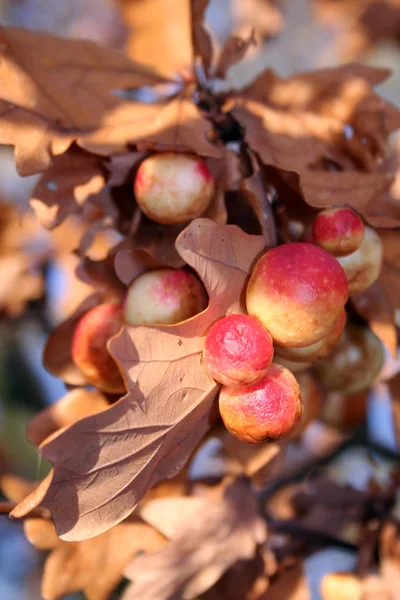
x: 295, y: 301
x: 169, y: 189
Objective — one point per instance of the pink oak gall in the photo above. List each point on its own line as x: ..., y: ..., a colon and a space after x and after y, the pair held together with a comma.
x: 338, y: 230
x: 164, y: 296
x: 173, y: 188
x: 89, y: 347
x: 262, y: 411
x: 297, y: 291
x: 237, y: 350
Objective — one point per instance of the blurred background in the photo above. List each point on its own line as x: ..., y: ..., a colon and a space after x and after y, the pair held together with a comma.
x: 37, y: 285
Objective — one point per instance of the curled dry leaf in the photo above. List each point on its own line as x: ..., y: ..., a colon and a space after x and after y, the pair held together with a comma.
x: 70, y: 98
x: 83, y: 100
x: 208, y: 538
x: 314, y: 121
x: 24, y: 248
x: 201, y: 41
x: 72, y: 179
x: 378, y: 303
x: 259, y: 463
x: 360, y: 25
x: 234, y: 50
x: 74, y: 406
x: 160, y: 35
x: 93, y: 566
x: 105, y: 464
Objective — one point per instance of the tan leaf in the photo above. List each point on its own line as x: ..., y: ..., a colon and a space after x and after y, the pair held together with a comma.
x: 202, y: 45
x: 378, y: 303
x: 71, y: 180
x: 94, y: 566
x: 330, y: 128
x: 104, y: 464
x: 173, y: 126
x: 160, y: 35
x: 234, y: 51
x: 209, y: 539
x: 75, y: 405
x: 257, y: 462
x: 360, y: 25
x: 254, y: 190
x: 56, y: 90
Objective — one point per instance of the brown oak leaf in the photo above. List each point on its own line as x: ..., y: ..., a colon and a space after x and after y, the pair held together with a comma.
x: 208, y: 537
x: 103, y: 465
x: 72, y: 407
x: 56, y: 91
x: 233, y: 52
x: 378, y: 303
x: 360, y: 25
x: 202, y: 45
x: 160, y: 35
x: 330, y: 128
x: 72, y: 180
x: 93, y: 566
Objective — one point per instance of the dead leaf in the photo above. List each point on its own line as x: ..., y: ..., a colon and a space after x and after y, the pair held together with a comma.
x: 207, y: 539
x: 378, y: 303
x: 104, y: 464
x: 256, y: 195
x: 48, y: 100
x: 74, y: 406
x: 234, y: 51
x: 160, y: 35
x: 72, y: 179
x: 93, y: 566
x: 173, y: 126
x: 306, y: 122
x: 360, y: 25
x: 202, y: 45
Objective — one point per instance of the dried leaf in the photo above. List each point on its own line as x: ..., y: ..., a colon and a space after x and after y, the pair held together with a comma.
x: 378, y: 303
x: 330, y: 128
x: 74, y: 406
x: 48, y: 101
x: 209, y: 539
x: 202, y: 45
x: 93, y: 566
x: 254, y: 190
x: 360, y: 25
x: 258, y: 463
x: 122, y: 167
x: 72, y: 179
x: 160, y: 34
x: 104, y: 464
x: 174, y: 126
x: 234, y: 51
